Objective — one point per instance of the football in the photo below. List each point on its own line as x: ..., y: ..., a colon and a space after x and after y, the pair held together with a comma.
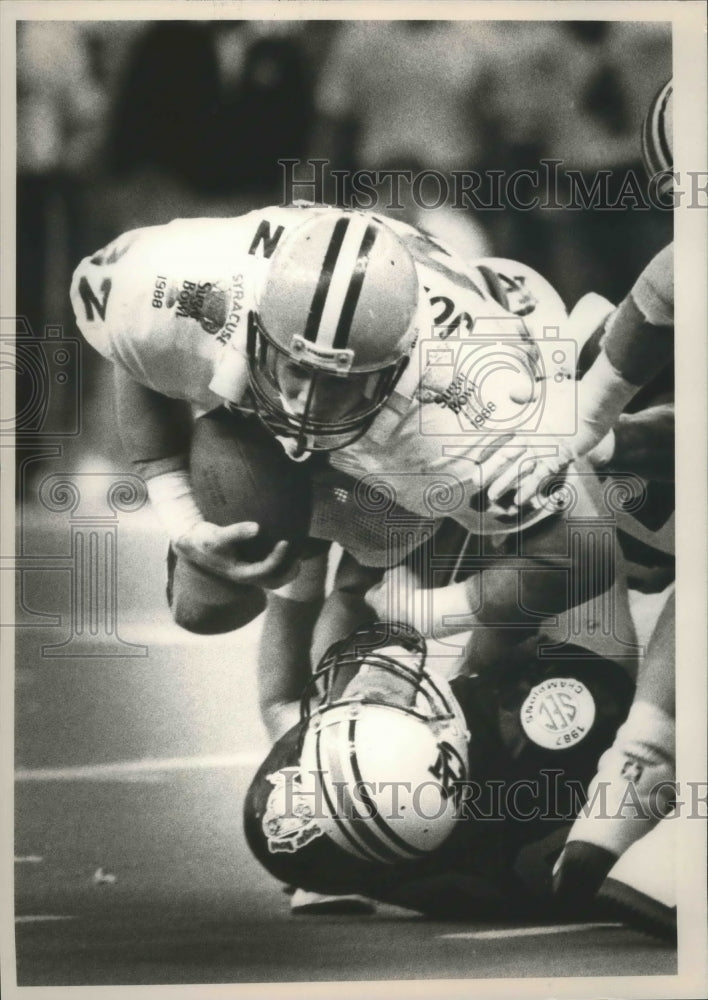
x: 239, y: 472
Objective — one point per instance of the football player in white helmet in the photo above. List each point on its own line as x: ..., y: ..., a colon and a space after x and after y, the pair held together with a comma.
x: 310, y: 317
x: 451, y: 798
x: 371, y: 709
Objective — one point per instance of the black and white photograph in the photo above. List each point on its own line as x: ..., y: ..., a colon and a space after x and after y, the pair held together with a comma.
x: 354, y: 498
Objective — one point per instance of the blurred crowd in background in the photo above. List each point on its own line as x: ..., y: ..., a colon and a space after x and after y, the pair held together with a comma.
x: 127, y: 124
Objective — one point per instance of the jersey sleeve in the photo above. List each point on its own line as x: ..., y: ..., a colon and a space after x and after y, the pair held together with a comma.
x: 148, y: 303
x: 166, y: 302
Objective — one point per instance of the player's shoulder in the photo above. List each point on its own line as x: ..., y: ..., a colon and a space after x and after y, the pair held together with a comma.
x: 256, y: 232
x: 519, y: 288
x: 514, y: 709
x: 143, y: 265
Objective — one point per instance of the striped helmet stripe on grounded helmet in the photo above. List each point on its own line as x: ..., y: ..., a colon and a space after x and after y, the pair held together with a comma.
x: 334, y: 790
x: 340, y: 282
x: 389, y: 836
x: 657, y: 133
x: 358, y: 821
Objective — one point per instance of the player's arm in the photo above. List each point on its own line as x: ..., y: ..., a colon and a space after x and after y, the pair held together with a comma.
x: 156, y: 432
x: 489, y: 600
x: 505, y: 601
x: 440, y: 612
x: 286, y: 640
x: 637, y: 344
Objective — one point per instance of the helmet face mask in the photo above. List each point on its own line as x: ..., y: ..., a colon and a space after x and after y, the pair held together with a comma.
x: 333, y: 329
x: 382, y: 664
x: 321, y: 407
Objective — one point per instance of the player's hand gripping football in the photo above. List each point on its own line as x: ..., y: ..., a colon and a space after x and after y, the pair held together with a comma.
x: 220, y: 550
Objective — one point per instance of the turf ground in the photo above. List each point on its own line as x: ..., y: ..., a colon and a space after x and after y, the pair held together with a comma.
x: 130, y: 862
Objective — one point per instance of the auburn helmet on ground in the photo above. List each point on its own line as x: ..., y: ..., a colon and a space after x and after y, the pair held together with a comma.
x: 381, y: 758
x: 381, y: 718
x: 333, y: 329
x: 536, y: 730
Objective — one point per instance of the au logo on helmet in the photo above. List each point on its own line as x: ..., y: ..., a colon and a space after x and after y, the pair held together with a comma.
x: 386, y: 743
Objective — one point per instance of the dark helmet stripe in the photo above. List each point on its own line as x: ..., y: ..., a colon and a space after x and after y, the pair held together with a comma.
x: 330, y: 259
x: 357, y: 847
x: 358, y: 826
x: 376, y: 818
x: 341, y: 336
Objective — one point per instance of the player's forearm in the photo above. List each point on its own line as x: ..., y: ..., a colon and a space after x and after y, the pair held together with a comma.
x: 639, y: 338
x: 637, y: 345
x: 551, y: 577
x: 284, y: 659
x: 442, y: 611
x: 155, y: 430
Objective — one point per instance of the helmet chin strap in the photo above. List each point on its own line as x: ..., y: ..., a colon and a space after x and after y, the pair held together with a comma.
x: 296, y: 448
x: 292, y: 448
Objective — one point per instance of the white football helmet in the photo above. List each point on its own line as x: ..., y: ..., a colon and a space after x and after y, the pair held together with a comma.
x: 333, y: 329
x: 384, y: 752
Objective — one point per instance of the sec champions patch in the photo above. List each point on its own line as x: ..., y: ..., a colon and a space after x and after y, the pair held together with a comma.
x: 558, y: 713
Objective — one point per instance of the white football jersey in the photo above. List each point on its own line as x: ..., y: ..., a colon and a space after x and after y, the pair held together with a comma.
x: 163, y: 302
x: 170, y: 305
